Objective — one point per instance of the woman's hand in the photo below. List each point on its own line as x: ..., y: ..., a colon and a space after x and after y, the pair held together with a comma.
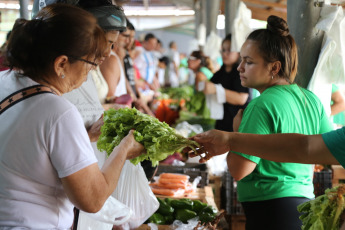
x: 134, y: 148
x: 212, y: 143
x: 210, y: 88
x: 95, y: 130
x: 237, y: 120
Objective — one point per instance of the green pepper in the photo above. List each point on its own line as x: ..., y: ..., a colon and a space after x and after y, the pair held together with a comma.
x: 168, y: 201
x: 164, y: 208
x: 182, y: 204
x: 209, y: 209
x: 169, y: 219
x: 206, y: 217
x: 184, y: 215
x: 198, y: 206
x: 157, y: 218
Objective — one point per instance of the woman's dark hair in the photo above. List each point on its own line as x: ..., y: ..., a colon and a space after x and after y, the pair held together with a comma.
x: 205, y: 60
x: 227, y: 38
x: 59, y: 29
x: 276, y: 44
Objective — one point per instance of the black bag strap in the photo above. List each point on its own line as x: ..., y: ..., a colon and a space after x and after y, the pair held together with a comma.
x: 23, y: 94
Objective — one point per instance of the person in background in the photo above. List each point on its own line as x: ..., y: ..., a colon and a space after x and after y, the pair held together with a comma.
x: 147, y: 63
x: 270, y: 192
x: 2, y: 51
x: 337, y: 106
x: 162, y: 72
x: 174, y: 64
x: 85, y: 98
x: 112, y: 69
x: 202, y: 67
x: 158, y: 50
x: 48, y: 165
x: 227, y: 84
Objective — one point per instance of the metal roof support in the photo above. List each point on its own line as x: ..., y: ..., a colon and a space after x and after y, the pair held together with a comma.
x: 212, y: 15
x: 302, y: 17
x: 230, y: 9
x: 24, y: 12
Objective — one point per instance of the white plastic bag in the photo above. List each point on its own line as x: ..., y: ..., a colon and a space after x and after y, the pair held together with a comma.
x: 134, y: 191
x: 112, y: 213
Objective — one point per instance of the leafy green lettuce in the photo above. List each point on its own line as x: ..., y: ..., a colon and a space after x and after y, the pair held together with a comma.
x: 158, y: 138
x: 324, y: 212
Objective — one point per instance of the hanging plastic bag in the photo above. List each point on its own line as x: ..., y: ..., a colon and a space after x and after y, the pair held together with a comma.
x: 134, y: 191
x: 112, y: 213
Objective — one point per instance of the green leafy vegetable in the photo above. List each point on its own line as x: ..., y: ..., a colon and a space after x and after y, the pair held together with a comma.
x: 197, y: 104
x: 323, y: 212
x: 158, y: 138
x: 185, y: 92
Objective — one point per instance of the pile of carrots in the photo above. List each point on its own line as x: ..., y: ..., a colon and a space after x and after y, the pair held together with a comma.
x: 172, y: 184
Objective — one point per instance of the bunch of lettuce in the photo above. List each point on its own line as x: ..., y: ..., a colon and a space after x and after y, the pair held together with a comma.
x: 197, y: 104
x: 184, y: 92
x: 324, y: 212
x: 158, y: 138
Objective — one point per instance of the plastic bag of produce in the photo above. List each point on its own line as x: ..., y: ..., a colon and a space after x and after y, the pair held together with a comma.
x: 134, y: 191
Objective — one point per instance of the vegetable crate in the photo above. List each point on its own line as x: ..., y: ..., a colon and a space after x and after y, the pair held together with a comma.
x: 322, y: 180
x: 229, y: 201
x: 191, y: 169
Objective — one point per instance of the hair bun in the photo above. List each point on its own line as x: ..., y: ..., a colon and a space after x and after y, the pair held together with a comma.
x: 277, y: 26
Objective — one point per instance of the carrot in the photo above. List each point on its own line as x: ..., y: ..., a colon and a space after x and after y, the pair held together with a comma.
x: 165, y: 191
x: 174, y: 176
x: 172, y: 181
x: 172, y: 186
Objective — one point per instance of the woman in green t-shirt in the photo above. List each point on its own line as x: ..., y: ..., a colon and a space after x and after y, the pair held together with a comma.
x: 269, y: 191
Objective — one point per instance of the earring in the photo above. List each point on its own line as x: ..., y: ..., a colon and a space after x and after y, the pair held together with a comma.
x: 272, y: 77
x: 62, y: 76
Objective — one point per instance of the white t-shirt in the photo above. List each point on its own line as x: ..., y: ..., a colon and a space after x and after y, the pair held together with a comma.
x: 147, y: 65
x: 42, y: 139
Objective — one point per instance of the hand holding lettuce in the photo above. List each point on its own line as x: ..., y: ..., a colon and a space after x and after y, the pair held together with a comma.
x: 158, y: 138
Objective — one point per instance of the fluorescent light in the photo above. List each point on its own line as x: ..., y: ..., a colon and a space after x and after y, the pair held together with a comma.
x: 12, y: 6
x: 159, y: 12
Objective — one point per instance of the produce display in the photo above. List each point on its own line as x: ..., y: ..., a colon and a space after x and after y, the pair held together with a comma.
x: 159, y: 139
x: 183, y: 210
x: 325, y: 211
x: 197, y: 104
x: 179, y: 93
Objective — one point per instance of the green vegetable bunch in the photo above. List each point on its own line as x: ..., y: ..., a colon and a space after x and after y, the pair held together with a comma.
x: 158, y: 138
x: 324, y: 212
x: 185, y: 92
x: 183, y: 210
x: 197, y: 104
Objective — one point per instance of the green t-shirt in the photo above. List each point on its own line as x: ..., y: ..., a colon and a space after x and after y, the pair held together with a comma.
x: 281, y: 109
x: 335, y: 142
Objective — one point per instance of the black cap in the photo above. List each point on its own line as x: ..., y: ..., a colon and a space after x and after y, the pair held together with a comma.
x: 109, y: 17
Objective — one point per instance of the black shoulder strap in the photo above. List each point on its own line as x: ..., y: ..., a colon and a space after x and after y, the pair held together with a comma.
x: 22, y: 94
